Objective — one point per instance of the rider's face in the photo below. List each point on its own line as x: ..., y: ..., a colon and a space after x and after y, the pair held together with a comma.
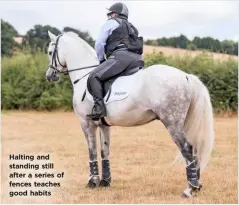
x: 111, y: 15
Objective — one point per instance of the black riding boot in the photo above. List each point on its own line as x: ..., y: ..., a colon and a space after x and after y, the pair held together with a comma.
x: 99, y: 109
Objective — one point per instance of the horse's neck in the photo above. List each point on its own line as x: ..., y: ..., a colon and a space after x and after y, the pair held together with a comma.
x: 79, y: 74
x: 80, y: 57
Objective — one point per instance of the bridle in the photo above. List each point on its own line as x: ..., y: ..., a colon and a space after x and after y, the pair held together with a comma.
x: 55, y: 60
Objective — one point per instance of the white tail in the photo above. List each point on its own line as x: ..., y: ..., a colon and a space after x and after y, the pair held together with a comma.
x: 199, y: 126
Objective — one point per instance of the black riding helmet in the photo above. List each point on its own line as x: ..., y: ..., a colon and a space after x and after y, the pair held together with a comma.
x: 120, y: 9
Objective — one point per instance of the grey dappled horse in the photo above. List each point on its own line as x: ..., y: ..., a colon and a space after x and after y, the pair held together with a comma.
x: 160, y: 92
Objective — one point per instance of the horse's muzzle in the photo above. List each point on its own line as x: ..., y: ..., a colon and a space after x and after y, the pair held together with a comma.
x: 52, y: 77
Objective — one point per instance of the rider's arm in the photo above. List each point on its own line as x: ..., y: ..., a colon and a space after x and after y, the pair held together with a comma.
x: 105, y: 31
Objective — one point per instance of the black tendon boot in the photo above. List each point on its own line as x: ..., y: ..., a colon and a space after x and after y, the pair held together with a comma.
x: 106, y: 176
x: 94, y: 175
x: 192, y: 174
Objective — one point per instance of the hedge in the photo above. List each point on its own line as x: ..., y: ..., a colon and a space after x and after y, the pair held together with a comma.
x: 24, y: 85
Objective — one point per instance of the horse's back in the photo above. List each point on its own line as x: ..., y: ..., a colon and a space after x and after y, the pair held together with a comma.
x: 164, y: 79
x: 158, y: 83
x: 161, y: 76
x: 165, y: 70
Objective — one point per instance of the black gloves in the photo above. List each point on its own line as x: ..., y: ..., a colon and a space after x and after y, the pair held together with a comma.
x: 102, y: 61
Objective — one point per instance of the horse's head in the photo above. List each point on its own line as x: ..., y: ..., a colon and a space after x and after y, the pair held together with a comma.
x: 67, y: 53
x: 56, y: 55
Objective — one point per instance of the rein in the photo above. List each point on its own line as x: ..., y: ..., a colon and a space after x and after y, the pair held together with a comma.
x: 68, y: 71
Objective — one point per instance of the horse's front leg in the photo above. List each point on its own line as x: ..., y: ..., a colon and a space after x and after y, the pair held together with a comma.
x: 105, y: 152
x: 89, y: 129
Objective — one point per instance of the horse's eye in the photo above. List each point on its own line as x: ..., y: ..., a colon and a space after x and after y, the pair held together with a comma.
x: 50, y: 53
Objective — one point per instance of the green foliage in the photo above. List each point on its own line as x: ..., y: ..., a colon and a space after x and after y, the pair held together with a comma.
x: 229, y: 47
x: 37, y: 38
x: 208, y: 43
x: 24, y: 85
x: 182, y: 41
x: 7, y: 34
x: 8, y: 28
x: 192, y: 47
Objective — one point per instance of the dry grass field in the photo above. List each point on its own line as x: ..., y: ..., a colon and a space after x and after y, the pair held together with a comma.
x: 168, y: 51
x: 141, y: 161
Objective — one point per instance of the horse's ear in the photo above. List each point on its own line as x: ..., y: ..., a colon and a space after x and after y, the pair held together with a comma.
x: 52, y: 36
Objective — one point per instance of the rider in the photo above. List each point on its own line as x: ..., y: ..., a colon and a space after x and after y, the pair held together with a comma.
x: 119, y: 42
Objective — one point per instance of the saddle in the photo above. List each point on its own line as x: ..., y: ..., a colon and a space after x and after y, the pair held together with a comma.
x: 130, y: 70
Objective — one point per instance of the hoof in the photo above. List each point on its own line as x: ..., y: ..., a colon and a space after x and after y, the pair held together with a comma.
x: 104, y: 183
x: 93, y: 182
x: 186, y: 196
x: 187, y: 193
x: 91, y: 185
x: 197, y: 189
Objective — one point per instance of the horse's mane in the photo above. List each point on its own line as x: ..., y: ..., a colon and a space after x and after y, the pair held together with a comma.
x: 85, y: 44
x: 71, y: 33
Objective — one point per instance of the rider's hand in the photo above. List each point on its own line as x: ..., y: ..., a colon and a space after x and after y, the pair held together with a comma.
x: 102, y: 61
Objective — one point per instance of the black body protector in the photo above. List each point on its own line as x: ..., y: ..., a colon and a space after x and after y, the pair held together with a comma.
x: 123, y: 47
x: 126, y: 35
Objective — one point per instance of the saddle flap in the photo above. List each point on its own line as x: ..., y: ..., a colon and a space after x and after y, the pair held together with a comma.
x: 130, y: 70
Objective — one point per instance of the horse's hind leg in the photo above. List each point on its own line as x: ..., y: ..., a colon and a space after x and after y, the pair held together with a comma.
x: 105, y: 152
x: 172, y: 112
x: 178, y: 134
x: 173, y: 119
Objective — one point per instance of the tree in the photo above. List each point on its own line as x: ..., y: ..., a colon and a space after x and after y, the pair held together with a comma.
x: 197, y: 42
x: 162, y: 41
x: 207, y: 43
x: 182, y: 41
x: 37, y: 37
x: 148, y: 42
x: 172, y: 42
x: 228, y: 47
x: 236, y: 49
x: 216, y: 46
x: 7, y: 42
